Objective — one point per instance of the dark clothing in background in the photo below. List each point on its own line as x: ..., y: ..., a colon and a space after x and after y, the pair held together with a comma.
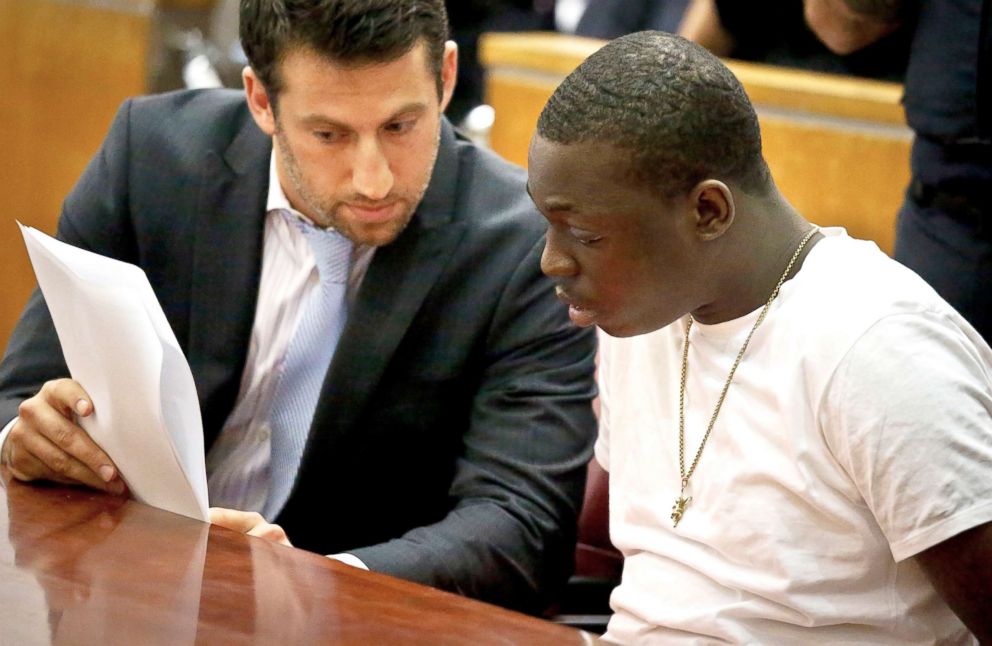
x: 471, y: 18
x: 945, y: 225
x: 613, y: 18
x: 775, y: 32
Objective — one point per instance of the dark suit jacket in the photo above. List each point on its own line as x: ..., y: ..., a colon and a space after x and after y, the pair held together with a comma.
x: 450, y: 441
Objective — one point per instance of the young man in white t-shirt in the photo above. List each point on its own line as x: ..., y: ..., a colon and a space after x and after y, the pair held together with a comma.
x: 798, y: 430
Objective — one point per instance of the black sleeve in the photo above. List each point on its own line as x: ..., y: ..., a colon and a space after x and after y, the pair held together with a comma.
x: 518, y: 486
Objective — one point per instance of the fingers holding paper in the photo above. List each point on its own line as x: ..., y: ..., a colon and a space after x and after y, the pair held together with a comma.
x: 248, y: 522
x: 47, y: 443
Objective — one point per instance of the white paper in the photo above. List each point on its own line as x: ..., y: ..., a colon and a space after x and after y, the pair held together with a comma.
x: 120, y: 348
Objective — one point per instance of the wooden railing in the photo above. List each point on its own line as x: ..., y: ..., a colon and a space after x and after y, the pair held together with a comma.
x: 837, y: 146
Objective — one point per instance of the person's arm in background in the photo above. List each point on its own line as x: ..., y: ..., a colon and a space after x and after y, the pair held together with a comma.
x: 701, y: 24
x: 846, y: 26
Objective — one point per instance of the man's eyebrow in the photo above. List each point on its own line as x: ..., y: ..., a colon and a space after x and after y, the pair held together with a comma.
x: 552, y: 203
x: 559, y: 205
x: 319, y: 119
x: 413, y: 106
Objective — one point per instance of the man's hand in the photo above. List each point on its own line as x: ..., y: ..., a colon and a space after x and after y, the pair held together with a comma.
x: 248, y: 522
x: 46, y: 443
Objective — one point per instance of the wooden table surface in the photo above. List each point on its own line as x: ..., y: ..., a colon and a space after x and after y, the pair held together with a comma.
x: 81, y: 567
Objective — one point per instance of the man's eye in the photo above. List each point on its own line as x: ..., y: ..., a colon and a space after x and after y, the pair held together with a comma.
x: 400, y: 127
x: 583, y: 236
x: 326, y: 136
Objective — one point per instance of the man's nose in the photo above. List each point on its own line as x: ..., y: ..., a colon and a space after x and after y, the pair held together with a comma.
x: 555, y: 262
x: 372, y: 178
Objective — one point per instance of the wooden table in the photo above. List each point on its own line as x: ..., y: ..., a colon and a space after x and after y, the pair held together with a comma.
x: 81, y: 567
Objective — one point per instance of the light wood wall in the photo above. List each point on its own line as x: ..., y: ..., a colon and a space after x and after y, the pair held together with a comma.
x: 837, y: 146
x: 65, y: 67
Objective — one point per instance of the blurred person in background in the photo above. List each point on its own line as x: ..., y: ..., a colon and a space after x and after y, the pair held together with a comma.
x: 945, y: 225
x: 469, y: 20
x: 774, y: 32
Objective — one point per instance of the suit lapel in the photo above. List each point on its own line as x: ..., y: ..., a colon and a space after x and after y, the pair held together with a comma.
x: 398, y: 279
x: 226, y: 270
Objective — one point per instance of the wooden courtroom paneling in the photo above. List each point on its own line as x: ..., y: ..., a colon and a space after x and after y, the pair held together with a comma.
x: 65, y: 67
x: 838, y: 146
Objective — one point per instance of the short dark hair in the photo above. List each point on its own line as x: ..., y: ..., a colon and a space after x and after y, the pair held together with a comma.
x: 354, y: 32
x: 680, y: 112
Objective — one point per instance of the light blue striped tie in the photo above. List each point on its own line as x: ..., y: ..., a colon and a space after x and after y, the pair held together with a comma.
x: 306, y: 362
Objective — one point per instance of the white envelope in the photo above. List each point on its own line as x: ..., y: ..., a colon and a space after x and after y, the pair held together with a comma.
x: 120, y: 348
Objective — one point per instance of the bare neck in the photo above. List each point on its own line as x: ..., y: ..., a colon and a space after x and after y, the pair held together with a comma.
x: 749, y: 259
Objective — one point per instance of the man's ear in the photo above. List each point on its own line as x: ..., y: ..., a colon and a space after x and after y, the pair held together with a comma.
x: 258, y: 101
x: 713, y: 208
x: 449, y: 72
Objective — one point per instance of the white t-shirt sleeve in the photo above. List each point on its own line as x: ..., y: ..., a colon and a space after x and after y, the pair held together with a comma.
x: 908, y: 414
x: 603, y: 367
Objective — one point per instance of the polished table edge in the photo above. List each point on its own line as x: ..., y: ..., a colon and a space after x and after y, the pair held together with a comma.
x: 77, y: 542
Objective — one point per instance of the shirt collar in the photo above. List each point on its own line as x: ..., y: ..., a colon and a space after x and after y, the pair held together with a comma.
x: 277, y: 200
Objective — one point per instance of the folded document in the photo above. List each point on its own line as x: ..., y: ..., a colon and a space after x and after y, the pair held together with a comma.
x: 120, y: 348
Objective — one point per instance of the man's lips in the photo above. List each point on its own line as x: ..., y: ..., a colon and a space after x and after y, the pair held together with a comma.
x: 562, y: 295
x: 579, y: 314
x: 565, y: 297
x: 373, y: 213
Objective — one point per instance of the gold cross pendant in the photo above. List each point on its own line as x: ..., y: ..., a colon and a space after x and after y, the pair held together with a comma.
x: 679, y: 508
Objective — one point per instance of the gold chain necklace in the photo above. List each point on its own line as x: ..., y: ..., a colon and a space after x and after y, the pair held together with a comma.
x: 678, y: 509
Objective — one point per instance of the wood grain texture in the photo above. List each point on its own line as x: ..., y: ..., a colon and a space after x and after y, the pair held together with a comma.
x: 65, y: 67
x: 82, y: 567
x: 837, y: 146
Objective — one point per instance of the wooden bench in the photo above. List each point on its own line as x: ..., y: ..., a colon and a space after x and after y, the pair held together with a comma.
x: 837, y: 146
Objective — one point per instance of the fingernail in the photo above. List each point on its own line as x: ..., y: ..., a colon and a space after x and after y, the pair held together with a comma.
x: 81, y: 406
x: 107, y: 473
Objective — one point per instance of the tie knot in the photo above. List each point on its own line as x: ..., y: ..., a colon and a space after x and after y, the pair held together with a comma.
x: 331, y: 252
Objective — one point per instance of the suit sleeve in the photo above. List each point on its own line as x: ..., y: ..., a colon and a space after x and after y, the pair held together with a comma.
x: 89, y: 219
x: 518, y: 485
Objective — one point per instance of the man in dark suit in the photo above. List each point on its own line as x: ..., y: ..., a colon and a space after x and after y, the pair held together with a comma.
x: 449, y: 439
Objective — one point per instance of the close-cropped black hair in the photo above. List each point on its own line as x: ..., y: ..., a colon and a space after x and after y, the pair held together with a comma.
x: 345, y: 31
x: 680, y: 112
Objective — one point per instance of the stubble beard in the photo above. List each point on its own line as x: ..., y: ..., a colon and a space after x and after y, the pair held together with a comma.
x: 327, y: 214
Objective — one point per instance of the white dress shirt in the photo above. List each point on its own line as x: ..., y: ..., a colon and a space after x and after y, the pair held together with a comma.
x: 238, y: 461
